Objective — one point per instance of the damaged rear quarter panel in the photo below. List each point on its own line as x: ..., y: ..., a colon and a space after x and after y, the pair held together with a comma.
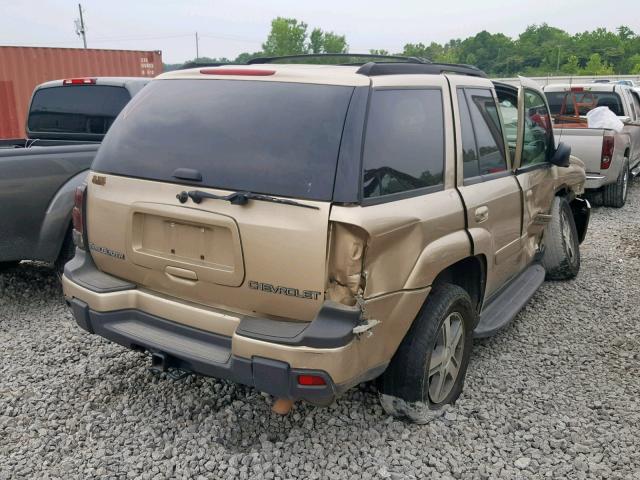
x: 409, y: 241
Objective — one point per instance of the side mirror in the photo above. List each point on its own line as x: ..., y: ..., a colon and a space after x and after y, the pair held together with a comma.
x: 561, y: 155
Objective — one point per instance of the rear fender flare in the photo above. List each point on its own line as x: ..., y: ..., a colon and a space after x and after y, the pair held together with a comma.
x: 437, y: 256
x: 57, y: 219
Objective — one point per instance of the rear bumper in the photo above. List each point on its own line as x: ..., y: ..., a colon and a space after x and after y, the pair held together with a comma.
x: 596, y: 180
x: 266, y: 354
x: 201, y: 352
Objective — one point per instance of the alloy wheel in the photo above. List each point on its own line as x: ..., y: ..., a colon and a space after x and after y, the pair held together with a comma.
x: 446, y: 358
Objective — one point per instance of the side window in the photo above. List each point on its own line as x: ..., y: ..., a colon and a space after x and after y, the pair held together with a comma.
x: 538, y: 131
x: 487, y: 131
x: 404, y: 144
x: 470, y: 165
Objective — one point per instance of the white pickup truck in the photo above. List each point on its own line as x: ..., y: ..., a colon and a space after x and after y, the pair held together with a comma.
x: 610, y: 157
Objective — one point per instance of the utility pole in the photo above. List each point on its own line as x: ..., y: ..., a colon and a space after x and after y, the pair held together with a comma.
x: 80, y: 30
x: 197, y: 49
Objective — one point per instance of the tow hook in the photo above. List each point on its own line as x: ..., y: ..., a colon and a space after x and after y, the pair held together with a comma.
x: 160, y: 363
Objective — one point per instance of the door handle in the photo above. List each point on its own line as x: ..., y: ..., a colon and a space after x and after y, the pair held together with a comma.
x: 482, y: 214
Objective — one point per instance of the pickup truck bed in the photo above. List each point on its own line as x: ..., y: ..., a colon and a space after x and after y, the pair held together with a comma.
x: 39, y: 174
x: 610, y: 157
x: 36, y: 198
x: 587, y: 145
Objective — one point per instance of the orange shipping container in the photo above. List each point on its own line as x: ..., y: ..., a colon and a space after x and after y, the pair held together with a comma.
x: 22, y: 68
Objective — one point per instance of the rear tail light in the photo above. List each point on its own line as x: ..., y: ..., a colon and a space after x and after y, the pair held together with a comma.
x: 314, y: 380
x: 77, y: 215
x: 577, y: 89
x: 79, y: 81
x: 346, y: 277
x: 607, y: 152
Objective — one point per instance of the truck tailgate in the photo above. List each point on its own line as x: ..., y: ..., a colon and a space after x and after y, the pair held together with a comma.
x: 585, y: 143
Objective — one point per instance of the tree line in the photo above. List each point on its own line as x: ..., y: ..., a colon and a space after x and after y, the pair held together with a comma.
x: 539, y: 50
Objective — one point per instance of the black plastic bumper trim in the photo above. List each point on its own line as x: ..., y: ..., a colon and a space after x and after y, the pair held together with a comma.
x: 201, y: 352
x: 82, y: 270
x: 332, y: 328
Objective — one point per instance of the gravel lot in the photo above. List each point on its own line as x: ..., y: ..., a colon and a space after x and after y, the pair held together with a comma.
x: 556, y: 395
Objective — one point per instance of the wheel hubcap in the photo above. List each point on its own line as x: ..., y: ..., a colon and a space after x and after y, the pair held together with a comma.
x: 446, y: 358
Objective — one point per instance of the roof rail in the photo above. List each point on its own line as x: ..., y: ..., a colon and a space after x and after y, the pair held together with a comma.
x: 373, y: 69
x: 388, y: 58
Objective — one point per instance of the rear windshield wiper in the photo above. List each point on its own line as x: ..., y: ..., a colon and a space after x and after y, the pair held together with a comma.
x: 238, y: 198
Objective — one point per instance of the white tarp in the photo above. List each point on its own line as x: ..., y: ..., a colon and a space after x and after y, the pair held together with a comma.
x: 602, y: 117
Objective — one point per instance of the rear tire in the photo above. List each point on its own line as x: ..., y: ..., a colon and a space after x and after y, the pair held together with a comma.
x: 615, y: 195
x: 561, y: 258
x: 428, y: 369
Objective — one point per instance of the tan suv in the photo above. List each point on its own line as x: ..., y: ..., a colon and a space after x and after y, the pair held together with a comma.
x: 303, y: 228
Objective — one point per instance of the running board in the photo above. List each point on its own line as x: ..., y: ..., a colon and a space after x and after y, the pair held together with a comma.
x: 503, y: 308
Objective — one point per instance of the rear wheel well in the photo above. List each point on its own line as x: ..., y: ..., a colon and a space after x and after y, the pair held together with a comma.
x: 469, y: 274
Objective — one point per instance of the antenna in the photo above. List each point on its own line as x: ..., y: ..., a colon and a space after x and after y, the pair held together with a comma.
x: 80, y: 28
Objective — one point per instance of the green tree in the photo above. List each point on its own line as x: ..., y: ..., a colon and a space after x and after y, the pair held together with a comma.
x: 288, y: 36
x: 244, y: 57
x: 595, y: 66
x: 316, y: 41
x: 334, y: 43
x: 327, y: 42
x: 571, y: 66
x: 376, y: 51
x: 634, y: 62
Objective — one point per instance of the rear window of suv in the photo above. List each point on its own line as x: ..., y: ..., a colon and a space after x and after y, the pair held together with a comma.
x: 241, y: 135
x: 76, y: 109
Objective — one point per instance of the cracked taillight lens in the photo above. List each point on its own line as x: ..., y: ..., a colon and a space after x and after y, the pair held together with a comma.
x: 78, y: 217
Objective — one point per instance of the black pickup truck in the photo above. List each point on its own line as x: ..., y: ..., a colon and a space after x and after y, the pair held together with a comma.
x: 39, y: 174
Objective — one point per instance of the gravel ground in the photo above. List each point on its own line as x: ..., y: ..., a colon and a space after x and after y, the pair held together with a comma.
x: 555, y: 395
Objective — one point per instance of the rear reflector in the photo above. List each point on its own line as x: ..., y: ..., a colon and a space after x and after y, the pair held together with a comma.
x: 79, y: 81
x: 248, y: 72
x: 607, y: 151
x: 311, y: 380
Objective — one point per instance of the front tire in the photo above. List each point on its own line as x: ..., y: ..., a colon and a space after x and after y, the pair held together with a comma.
x: 615, y: 195
x: 428, y: 369
x: 561, y: 258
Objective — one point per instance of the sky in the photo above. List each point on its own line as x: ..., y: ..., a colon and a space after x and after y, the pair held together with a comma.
x: 227, y: 28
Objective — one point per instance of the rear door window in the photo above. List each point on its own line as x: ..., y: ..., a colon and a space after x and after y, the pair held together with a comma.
x: 242, y: 135
x: 470, y: 165
x: 76, y: 109
x: 404, y: 143
x: 487, y: 132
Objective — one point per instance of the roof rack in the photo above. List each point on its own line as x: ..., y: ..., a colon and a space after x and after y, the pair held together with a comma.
x: 372, y: 69
x: 387, y: 58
